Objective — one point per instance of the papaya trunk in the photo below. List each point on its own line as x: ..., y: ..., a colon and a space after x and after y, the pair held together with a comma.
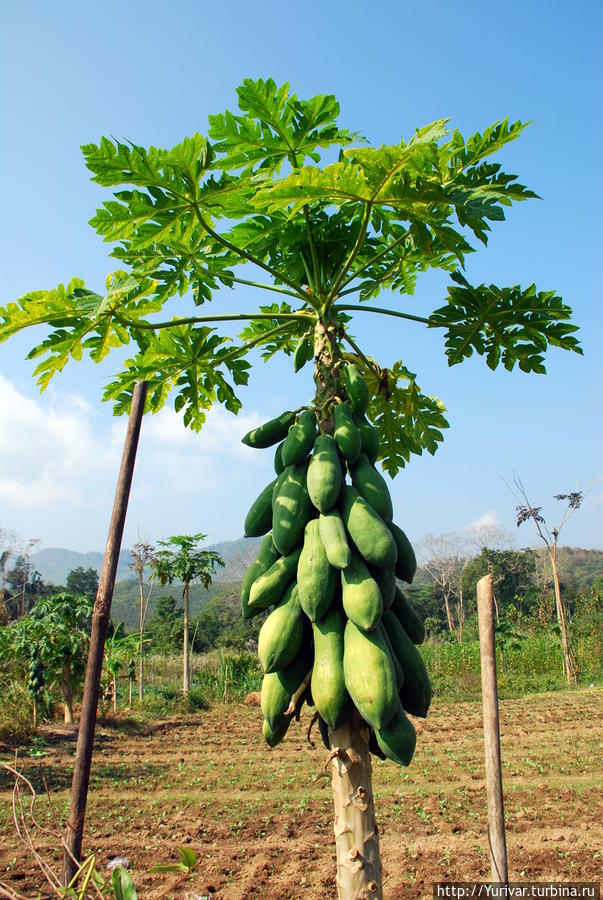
x: 67, y: 692
x: 568, y: 662
x: 356, y: 836
x: 186, y: 673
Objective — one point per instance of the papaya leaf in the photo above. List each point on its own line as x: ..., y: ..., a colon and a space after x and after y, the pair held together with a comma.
x: 512, y: 325
x: 185, y: 360
x: 122, y: 885
x: 274, y: 335
x: 275, y: 126
x: 407, y: 420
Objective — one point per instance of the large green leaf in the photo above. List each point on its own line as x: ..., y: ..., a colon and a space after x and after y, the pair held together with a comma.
x: 187, y: 360
x: 407, y: 420
x: 275, y: 126
x: 514, y: 325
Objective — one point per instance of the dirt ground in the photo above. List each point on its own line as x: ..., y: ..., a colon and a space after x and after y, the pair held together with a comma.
x: 260, y: 820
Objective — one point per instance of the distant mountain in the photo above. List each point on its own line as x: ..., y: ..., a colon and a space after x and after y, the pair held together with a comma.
x: 54, y: 563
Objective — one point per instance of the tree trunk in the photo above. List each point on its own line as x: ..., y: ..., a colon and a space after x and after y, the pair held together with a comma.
x: 356, y: 836
x: 140, y: 656
x: 114, y: 693
x: 186, y: 672
x: 568, y: 662
x: 449, y: 618
x: 67, y: 692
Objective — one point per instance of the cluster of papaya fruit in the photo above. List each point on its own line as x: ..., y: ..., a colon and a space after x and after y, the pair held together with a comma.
x: 341, y: 633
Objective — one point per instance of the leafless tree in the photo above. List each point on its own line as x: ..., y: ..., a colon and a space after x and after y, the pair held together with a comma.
x: 445, y: 557
x: 143, y: 554
x: 526, y: 511
x: 8, y: 542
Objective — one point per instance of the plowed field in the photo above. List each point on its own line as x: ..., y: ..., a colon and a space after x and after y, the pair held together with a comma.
x: 260, y: 820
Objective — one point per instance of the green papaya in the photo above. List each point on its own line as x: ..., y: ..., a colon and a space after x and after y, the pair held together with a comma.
x: 372, y: 486
x: 316, y: 578
x: 274, y: 736
x: 278, y: 459
x: 360, y: 594
x: 270, y: 432
x: 324, y: 732
x: 369, y: 675
x: 406, y: 564
x: 328, y: 684
x: 300, y: 439
x: 334, y: 539
x: 386, y: 580
x: 278, y: 688
x: 346, y: 434
x: 356, y: 389
x: 398, y: 671
x: 280, y: 636
x: 291, y: 511
x: 398, y: 738
x: 367, y: 529
x: 259, y: 517
x: 270, y: 586
x: 267, y: 556
x: 369, y: 441
x: 409, y: 618
x: 415, y: 693
x: 324, y: 473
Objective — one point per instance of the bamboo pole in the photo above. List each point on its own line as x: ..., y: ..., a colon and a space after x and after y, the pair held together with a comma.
x: 496, y: 813
x: 100, y: 620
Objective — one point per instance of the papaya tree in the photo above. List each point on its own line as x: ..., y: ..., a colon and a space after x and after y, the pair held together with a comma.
x: 181, y: 559
x: 323, y: 239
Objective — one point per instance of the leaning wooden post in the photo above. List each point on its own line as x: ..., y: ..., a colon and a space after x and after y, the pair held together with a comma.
x: 496, y: 813
x: 100, y: 620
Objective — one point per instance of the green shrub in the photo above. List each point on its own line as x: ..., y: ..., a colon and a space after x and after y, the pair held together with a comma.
x: 16, y: 720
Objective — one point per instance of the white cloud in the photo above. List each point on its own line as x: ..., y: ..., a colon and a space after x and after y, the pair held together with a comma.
x: 488, y: 520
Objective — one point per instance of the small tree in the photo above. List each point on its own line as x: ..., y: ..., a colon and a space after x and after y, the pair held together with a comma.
x: 143, y: 554
x: 165, y: 625
x: 180, y: 559
x: 445, y: 557
x: 82, y: 581
x: 527, y: 511
x: 118, y: 650
x: 55, y: 633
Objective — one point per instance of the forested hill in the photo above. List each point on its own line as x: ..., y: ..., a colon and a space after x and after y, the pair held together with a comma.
x: 54, y: 563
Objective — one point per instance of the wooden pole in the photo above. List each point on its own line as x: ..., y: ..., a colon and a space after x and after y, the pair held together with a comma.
x: 100, y: 620
x: 496, y: 813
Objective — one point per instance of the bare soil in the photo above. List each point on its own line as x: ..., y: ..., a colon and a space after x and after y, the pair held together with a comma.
x: 260, y: 820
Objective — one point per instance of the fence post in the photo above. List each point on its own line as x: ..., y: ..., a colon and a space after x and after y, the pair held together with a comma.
x: 496, y: 813
x: 72, y: 844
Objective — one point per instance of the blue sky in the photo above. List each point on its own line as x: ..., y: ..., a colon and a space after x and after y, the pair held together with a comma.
x: 151, y: 73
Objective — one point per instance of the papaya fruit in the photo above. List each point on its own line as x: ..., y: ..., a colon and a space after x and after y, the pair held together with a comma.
x: 278, y: 688
x: 278, y: 459
x: 274, y: 736
x: 369, y: 675
x: 324, y: 473
x: 369, y: 441
x: 334, y: 540
x: 398, y: 739
x: 270, y: 586
x: 372, y: 486
x: 280, y: 636
x: 346, y: 434
x: 356, y: 389
x: 367, y: 529
x: 328, y: 683
x: 386, y: 580
x: 398, y: 671
x: 360, y: 594
x: 406, y: 563
x: 324, y: 732
x: 415, y: 693
x: 292, y: 509
x: 267, y: 556
x: 300, y: 439
x: 316, y: 577
x: 259, y: 517
x: 409, y: 618
x: 270, y: 432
